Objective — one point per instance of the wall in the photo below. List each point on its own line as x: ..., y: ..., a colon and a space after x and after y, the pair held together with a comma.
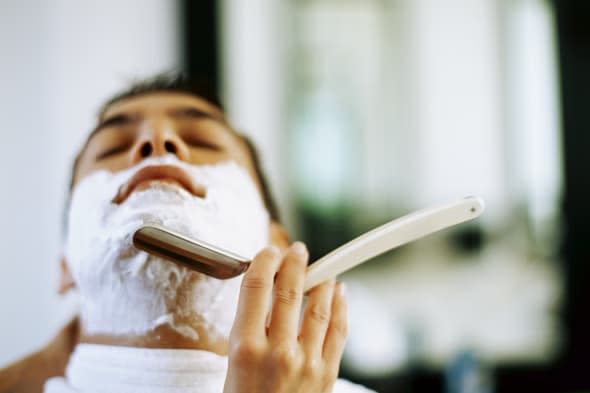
x: 60, y: 60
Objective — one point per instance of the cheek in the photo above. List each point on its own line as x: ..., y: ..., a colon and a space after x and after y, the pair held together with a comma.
x: 244, y: 159
x: 114, y: 164
x: 207, y: 157
x: 111, y: 164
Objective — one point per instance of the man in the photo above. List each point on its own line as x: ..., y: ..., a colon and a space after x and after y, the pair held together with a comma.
x: 164, y: 153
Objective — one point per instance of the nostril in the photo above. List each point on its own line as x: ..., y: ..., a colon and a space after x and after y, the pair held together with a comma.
x: 146, y: 150
x: 170, y: 147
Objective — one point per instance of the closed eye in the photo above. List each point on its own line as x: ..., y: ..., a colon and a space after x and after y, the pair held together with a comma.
x: 199, y: 143
x: 118, y: 120
x: 112, y: 151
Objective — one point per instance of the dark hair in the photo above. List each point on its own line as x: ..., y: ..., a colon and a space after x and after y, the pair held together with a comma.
x: 170, y: 81
x: 175, y: 82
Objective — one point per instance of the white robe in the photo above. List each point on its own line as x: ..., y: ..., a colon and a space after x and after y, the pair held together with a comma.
x: 111, y: 369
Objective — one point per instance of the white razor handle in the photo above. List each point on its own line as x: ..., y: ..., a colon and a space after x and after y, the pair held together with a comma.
x: 391, y: 235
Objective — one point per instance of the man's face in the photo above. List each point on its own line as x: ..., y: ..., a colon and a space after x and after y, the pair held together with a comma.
x: 140, y: 143
x: 160, y: 123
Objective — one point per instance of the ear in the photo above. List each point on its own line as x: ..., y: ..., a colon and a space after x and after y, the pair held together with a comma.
x: 66, y: 282
x: 278, y: 236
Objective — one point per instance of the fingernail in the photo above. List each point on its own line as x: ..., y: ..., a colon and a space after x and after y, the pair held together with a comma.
x: 341, y: 289
x: 299, y: 248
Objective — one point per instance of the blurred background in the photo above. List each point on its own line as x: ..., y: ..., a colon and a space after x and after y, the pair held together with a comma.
x: 364, y: 110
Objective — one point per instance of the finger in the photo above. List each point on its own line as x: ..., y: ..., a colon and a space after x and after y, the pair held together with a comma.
x: 316, y: 318
x: 256, y: 291
x: 287, y: 295
x: 337, y: 329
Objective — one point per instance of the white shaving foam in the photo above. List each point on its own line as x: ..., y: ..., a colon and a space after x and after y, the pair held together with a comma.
x: 125, y: 291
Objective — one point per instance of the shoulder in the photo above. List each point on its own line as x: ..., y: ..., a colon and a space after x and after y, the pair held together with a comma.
x: 344, y: 386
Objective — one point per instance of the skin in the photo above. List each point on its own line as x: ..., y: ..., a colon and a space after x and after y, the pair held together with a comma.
x: 273, y: 354
x: 30, y: 373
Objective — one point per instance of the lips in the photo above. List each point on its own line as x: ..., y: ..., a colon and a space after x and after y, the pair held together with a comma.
x: 162, y: 173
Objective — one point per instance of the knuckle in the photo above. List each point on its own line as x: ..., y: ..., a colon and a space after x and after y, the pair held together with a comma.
x: 266, y: 254
x: 287, y: 296
x: 311, y: 368
x: 319, y: 313
x: 296, y: 259
x: 285, y: 359
x: 244, y: 352
x: 255, y: 282
x: 340, y: 329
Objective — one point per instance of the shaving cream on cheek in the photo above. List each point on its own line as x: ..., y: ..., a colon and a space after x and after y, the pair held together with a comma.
x: 128, y: 292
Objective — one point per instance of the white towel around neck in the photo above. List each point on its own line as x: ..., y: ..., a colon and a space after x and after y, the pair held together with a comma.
x: 110, y: 369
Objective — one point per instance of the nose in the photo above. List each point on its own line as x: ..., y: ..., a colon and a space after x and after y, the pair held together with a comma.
x: 158, y: 139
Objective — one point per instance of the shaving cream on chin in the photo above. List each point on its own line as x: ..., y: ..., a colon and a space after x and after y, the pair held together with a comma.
x: 129, y: 292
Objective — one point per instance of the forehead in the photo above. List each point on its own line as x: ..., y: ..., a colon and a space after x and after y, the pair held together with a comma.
x: 157, y: 103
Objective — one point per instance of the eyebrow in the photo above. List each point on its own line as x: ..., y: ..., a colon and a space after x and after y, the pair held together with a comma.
x: 118, y: 119
x: 195, y: 113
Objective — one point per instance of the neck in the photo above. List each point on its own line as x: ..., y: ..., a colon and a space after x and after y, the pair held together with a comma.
x: 162, y: 337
